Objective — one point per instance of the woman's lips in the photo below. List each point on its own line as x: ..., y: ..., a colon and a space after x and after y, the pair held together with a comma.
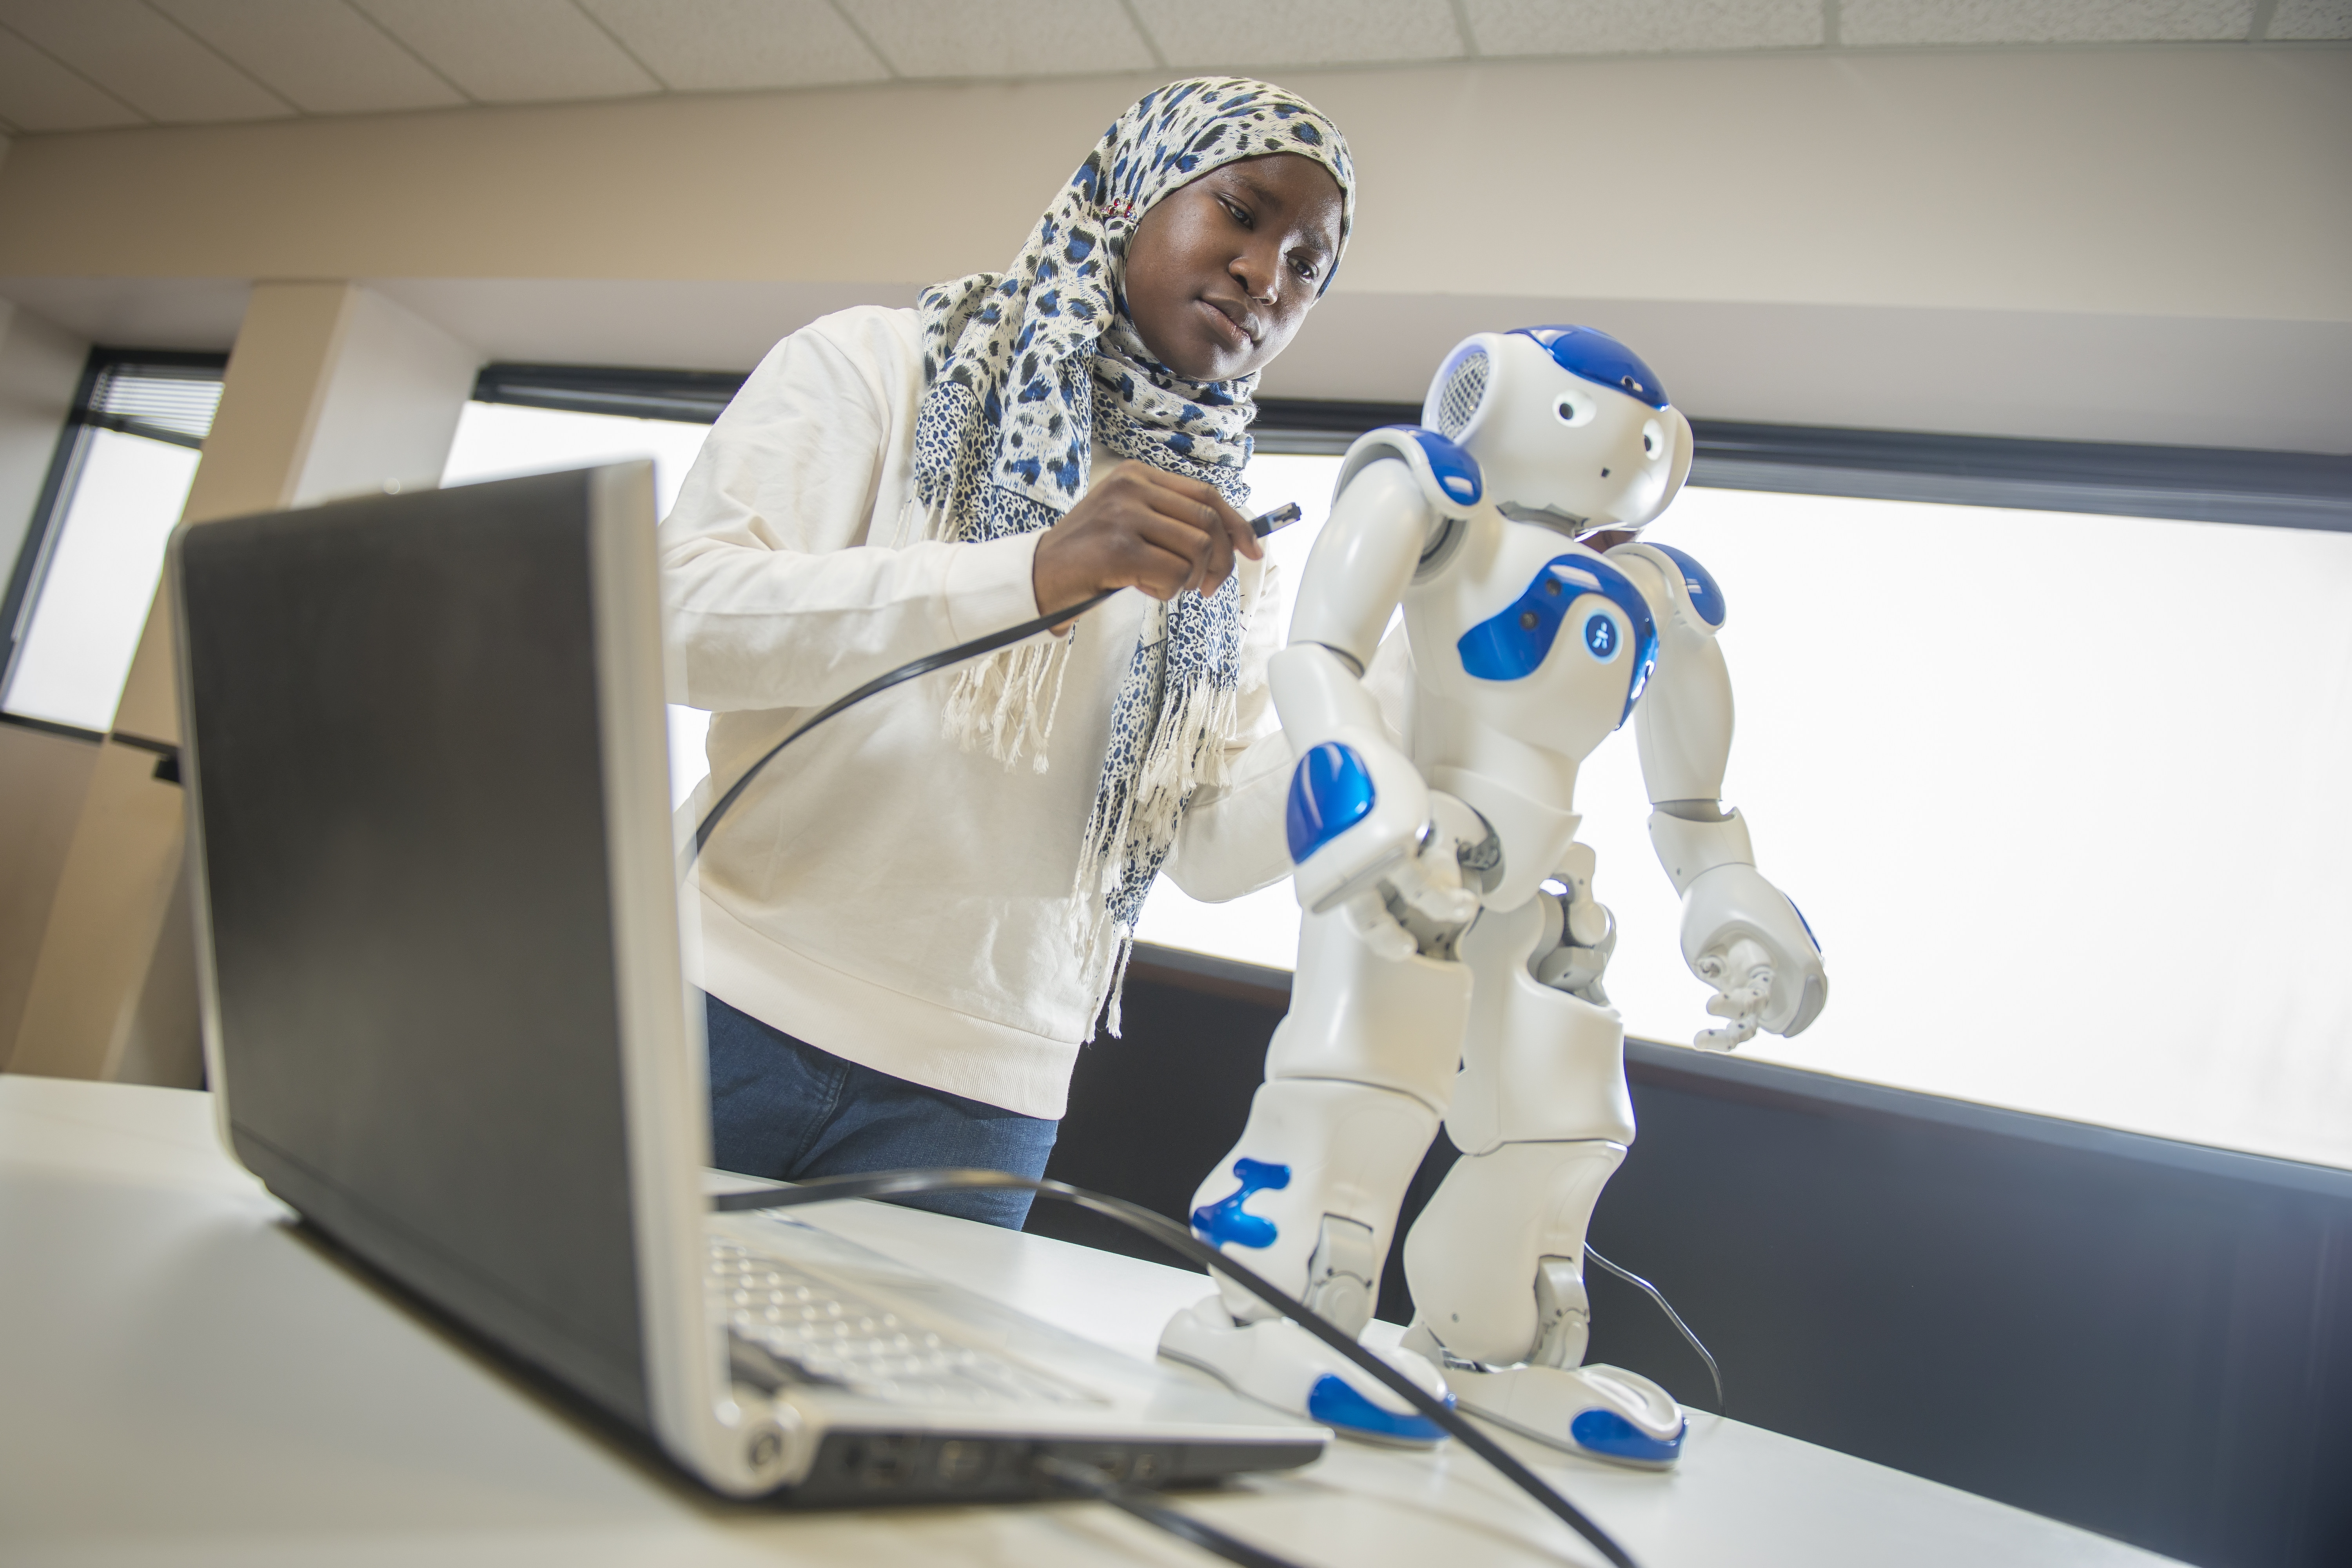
x: 1226, y: 327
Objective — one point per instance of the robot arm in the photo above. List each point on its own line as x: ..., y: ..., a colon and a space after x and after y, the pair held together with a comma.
x: 1361, y: 819
x: 1740, y: 934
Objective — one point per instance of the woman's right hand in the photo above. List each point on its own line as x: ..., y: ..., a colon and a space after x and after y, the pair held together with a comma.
x: 1140, y: 527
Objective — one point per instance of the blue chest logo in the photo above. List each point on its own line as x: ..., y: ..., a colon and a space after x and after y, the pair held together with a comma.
x: 1513, y: 645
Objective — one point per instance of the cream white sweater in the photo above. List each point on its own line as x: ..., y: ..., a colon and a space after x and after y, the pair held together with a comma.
x: 879, y: 892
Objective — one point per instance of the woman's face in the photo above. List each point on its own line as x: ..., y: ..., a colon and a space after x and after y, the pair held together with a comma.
x: 1221, y: 271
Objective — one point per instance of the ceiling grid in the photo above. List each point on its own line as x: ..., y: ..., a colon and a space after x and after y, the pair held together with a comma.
x: 82, y: 65
x: 889, y: 67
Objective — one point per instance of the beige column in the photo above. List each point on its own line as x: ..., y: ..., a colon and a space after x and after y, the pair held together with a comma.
x: 332, y: 390
x: 42, y: 776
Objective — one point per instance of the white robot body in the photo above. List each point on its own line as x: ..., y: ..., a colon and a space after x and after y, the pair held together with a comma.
x: 1450, y: 952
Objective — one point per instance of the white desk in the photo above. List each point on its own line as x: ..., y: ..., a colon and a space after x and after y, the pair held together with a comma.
x: 185, y: 1380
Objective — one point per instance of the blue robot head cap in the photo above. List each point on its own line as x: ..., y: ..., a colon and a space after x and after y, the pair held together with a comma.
x: 1594, y: 355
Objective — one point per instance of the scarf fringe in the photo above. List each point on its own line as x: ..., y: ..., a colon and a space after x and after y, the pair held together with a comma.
x: 1126, y: 842
x: 1004, y: 706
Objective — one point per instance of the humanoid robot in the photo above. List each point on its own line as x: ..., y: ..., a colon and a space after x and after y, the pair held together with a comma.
x: 1451, y: 950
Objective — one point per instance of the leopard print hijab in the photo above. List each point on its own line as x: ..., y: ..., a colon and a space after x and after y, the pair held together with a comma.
x: 1023, y: 370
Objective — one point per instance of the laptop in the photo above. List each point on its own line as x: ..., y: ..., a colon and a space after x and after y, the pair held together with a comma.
x: 445, y: 1017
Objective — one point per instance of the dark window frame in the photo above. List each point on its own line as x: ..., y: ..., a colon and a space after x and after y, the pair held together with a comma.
x: 2201, y: 484
x: 66, y: 461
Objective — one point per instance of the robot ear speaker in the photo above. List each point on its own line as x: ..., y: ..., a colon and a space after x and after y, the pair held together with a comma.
x: 1461, y: 393
x: 1686, y: 447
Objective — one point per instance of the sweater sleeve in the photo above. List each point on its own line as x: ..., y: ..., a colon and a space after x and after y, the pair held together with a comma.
x: 775, y: 594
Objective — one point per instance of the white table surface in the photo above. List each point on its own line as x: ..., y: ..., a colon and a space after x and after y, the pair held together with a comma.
x: 185, y: 1380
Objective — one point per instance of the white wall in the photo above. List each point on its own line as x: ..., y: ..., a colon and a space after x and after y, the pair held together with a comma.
x: 2031, y: 242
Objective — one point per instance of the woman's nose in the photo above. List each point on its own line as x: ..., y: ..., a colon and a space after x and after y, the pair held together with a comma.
x: 1258, y: 276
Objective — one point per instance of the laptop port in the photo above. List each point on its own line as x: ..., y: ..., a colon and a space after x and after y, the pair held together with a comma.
x: 963, y: 1461
x: 885, y: 1462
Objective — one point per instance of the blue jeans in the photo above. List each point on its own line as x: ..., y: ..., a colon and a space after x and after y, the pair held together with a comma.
x: 781, y: 1108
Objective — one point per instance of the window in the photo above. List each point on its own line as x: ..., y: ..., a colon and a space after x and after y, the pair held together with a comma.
x: 87, y: 572
x: 1261, y: 928
x: 2054, y: 787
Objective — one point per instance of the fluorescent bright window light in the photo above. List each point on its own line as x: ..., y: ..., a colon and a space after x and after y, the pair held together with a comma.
x: 100, y: 579
x: 2044, y: 783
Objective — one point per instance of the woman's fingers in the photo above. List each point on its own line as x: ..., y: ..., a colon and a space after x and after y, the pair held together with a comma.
x: 1174, y: 556
x: 1141, y: 527
x: 1200, y: 506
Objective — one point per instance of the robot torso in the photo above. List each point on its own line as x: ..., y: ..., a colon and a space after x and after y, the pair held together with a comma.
x: 1523, y: 636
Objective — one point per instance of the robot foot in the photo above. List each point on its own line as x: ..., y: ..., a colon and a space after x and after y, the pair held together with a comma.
x: 1279, y: 1363
x: 1601, y: 1412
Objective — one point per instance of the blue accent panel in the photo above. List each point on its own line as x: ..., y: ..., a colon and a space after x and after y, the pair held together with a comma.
x: 1606, y: 1433
x: 1457, y: 471
x: 1512, y: 646
x: 1331, y: 791
x: 1222, y: 1223
x: 1594, y: 355
x: 1333, y: 1403
x: 1697, y: 582
x: 1806, y: 923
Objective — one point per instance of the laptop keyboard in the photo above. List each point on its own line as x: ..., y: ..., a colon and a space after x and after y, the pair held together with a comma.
x: 802, y: 1328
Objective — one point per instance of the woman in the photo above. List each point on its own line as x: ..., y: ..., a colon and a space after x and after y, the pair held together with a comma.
x: 909, y: 924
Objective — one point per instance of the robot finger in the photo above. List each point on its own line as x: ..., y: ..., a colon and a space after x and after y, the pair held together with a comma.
x: 1726, y: 1038
x: 1745, y: 1003
x: 1442, y: 906
x: 1430, y: 881
x: 1368, y: 916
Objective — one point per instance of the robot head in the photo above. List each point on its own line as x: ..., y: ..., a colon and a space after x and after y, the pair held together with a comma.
x: 1570, y: 427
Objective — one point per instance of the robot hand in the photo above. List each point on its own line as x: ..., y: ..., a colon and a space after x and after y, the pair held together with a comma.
x: 1742, y: 936
x: 1359, y: 814
x: 1418, y: 906
x: 1742, y: 974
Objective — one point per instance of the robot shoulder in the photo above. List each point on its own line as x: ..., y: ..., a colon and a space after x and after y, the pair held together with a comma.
x: 1447, y: 474
x: 1689, y: 586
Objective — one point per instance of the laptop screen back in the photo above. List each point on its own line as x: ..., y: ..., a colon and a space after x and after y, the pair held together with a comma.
x: 393, y: 723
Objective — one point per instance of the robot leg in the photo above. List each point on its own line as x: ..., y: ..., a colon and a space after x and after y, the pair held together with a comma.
x: 1357, y: 1078
x: 1496, y: 1261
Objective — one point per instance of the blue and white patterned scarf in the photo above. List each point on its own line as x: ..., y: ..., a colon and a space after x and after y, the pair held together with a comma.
x: 1023, y: 370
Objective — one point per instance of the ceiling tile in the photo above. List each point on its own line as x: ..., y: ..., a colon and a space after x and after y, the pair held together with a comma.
x: 1000, y: 38
x: 1251, y: 35
x: 514, y: 51
x: 320, y: 55
x: 143, y: 59
x: 36, y: 93
x: 716, y: 45
x: 1867, y: 23
x: 2311, y: 19
x: 1638, y: 27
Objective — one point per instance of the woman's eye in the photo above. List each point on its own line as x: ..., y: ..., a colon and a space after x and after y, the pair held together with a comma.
x: 1235, y: 211
x: 1303, y: 267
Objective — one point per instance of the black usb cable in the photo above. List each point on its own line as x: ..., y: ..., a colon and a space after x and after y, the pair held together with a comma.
x: 1265, y: 523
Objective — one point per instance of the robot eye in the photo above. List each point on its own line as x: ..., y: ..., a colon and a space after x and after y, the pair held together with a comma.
x: 1570, y: 409
x: 1654, y: 440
